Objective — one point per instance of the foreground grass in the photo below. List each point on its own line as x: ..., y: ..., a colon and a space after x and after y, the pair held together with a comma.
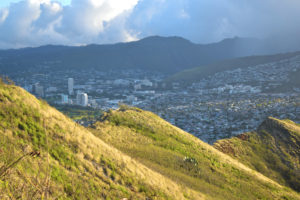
x: 184, y: 158
x: 45, y: 155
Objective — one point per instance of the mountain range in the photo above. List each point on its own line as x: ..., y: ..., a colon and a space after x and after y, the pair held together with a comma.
x: 134, y: 154
x: 161, y: 54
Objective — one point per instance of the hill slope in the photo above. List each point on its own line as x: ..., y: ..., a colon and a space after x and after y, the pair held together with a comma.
x: 162, y: 54
x: 44, y: 154
x: 273, y: 150
x: 198, y: 73
x: 182, y: 157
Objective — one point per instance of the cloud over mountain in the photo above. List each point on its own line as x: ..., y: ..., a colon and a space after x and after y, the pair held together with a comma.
x: 38, y: 22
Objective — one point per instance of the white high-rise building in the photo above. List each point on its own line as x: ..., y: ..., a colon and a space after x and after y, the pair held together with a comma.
x: 71, y: 86
x: 82, y: 99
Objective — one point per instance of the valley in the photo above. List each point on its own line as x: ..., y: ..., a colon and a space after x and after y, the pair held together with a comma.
x: 234, y: 100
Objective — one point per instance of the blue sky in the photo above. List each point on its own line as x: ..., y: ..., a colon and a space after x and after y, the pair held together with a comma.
x: 78, y: 22
x: 5, y: 3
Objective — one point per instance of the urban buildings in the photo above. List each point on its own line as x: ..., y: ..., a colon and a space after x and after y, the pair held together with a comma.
x: 38, y: 90
x: 218, y: 106
x: 82, y: 99
x: 64, y: 99
x: 71, y: 86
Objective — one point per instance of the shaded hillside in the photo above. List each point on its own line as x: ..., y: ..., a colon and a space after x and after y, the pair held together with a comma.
x: 196, y: 74
x: 293, y: 82
x: 182, y: 157
x: 45, y: 155
x: 162, y: 54
x: 273, y: 150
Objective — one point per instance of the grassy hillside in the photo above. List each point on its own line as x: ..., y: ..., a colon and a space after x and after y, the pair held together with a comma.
x: 131, y: 154
x: 79, y: 112
x: 45, y: 155
x: 184, y: 158
x: 273, y: 150
x: 196, y: 74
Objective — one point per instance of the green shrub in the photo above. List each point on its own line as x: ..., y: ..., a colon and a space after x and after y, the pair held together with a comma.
x: 59, y: 153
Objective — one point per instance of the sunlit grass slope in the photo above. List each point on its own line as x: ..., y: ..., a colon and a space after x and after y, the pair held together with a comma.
x: 45, y: 155
x: 273, y: 150
x: 184, y: 158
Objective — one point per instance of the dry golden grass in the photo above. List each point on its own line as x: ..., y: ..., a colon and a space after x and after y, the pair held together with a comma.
x: 171, y: 130
x: 90, y: 150
x: 161, y: 146
x: 84, y: 166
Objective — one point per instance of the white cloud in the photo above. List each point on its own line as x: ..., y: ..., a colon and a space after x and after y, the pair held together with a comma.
x: 39, y: 22
x: 3, y: 15
x: 183, y: 14
x: 211, y: 20
x: 192, y: 19
x: 88, y: 17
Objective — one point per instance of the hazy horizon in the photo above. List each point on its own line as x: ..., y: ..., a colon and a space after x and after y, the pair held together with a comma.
x: 140, y: 39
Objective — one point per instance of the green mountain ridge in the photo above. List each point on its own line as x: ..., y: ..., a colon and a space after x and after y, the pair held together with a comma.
x: 273, y: 150
x: 179, y: 155
x: 130, y: 154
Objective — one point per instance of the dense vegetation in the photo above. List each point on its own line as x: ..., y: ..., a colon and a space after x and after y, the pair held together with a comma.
x: 182, y: 157
x: 273, y: 150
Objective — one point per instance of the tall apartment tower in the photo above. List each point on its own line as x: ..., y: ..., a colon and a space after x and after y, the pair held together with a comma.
x: 71, y: 86
x: 82, y: 99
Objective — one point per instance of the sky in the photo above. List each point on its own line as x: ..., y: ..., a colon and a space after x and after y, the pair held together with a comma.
x: 25, y: 23
x: 6, y: 3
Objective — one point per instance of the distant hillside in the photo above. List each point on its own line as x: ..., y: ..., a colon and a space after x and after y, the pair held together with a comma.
x: 181, y: 157
x: 196, y: 74
x: 130, y: 154
x: 273, y: 150
x: 163, y: 54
